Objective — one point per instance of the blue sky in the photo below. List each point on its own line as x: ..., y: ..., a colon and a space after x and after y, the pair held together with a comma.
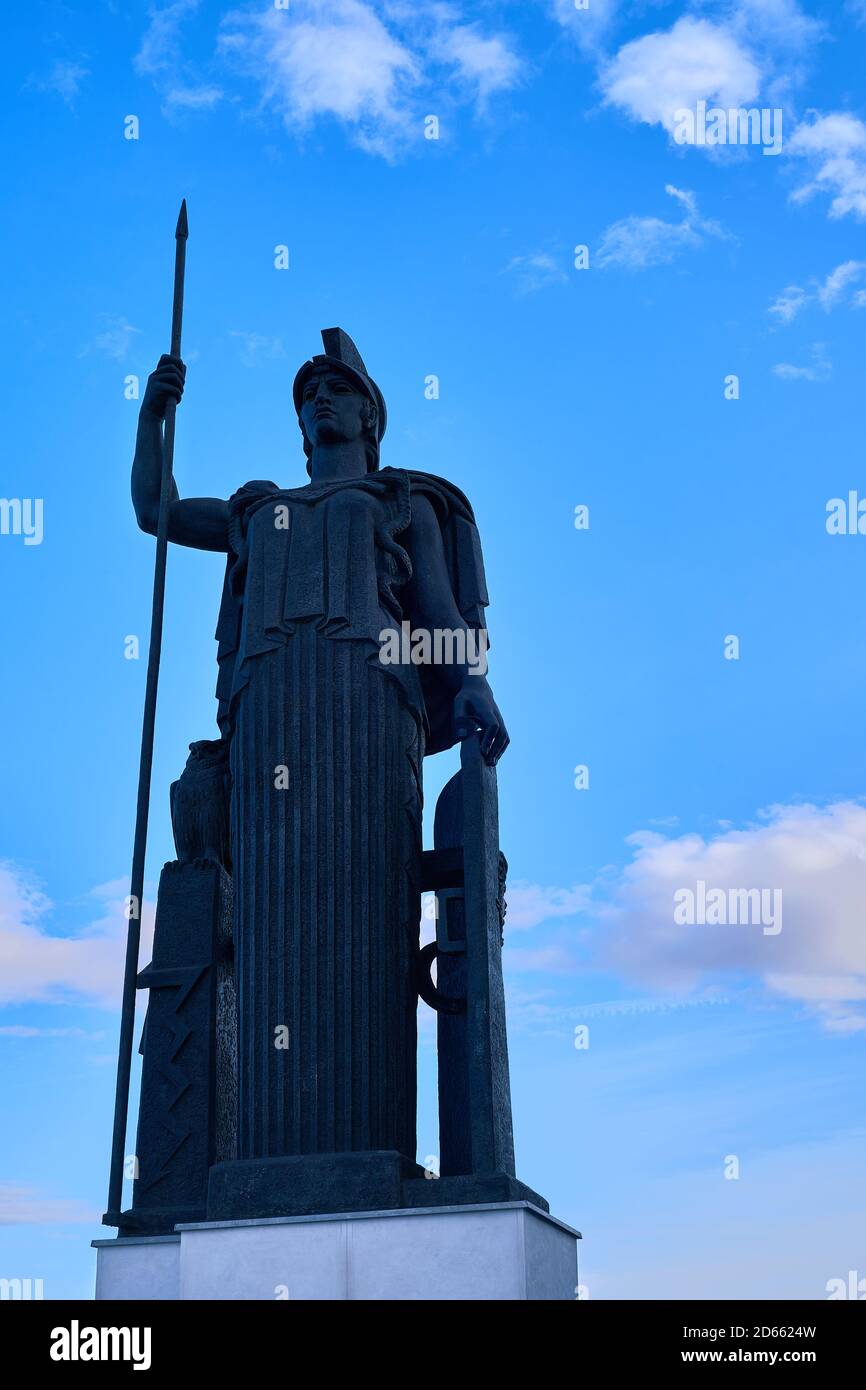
x: 558, y: 387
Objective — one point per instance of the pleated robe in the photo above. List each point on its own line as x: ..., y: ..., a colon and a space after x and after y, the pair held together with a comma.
x: 326, y: 751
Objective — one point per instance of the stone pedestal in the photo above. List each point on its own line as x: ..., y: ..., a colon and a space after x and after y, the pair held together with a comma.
x: 138, y: 1267
x: 498, y: 1251
x: 188, y: 1101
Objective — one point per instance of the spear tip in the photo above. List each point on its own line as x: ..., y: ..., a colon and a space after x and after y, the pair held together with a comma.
x: 182, y: 229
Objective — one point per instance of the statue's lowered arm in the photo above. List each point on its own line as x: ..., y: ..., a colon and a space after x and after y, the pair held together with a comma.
x: 431, y: 602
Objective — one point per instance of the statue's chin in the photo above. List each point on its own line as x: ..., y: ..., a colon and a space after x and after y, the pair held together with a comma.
x: 328, y: 435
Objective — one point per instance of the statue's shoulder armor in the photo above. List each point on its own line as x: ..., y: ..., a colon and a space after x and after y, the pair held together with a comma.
x: 259, y: 487
x: 447, y: 498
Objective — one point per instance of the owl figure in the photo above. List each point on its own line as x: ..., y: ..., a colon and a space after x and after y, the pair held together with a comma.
x: 200, y: 805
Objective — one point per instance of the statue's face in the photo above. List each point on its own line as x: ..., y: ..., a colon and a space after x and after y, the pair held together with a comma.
x: 332, y: 410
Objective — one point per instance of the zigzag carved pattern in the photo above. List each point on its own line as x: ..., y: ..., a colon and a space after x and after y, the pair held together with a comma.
x: 184, y: 980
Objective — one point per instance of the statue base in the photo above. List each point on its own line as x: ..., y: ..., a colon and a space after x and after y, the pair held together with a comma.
x: 306, y: 1184
x: 312, y: 1184
x: 506, y: 1251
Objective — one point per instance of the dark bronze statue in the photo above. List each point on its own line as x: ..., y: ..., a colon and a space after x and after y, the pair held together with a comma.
x: 311, y: 800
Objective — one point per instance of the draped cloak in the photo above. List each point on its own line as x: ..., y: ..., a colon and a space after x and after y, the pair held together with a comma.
x: 326, y: 750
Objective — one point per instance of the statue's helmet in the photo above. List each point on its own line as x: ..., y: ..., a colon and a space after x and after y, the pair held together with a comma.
x: 341, y: 355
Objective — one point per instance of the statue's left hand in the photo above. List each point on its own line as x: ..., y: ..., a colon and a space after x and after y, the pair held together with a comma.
x: 476, y: 709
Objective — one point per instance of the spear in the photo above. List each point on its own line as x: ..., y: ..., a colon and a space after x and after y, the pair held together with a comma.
x: 130, y: 975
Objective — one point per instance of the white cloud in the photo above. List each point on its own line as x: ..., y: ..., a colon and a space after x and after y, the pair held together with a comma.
x: 553, y: 959
x: 366, y: 64
x: 788, y: 304
x: 539, y: 1010
x: 487, y: 64
x: 837, y: 281
x: 160, y: 58
x: 653, y: 77
x: 530, y: 904
x: 39, y: 966
x: 65, y: 79
x: 835, y: 147
x: 729, y: 55
x: 326, y: 59
x: 21, y: 1205
x: 820, y: 368
x: 536, y: 271
x: 369, y: 66
x: 159, y: 51
x: 114, y: 340
x: 635, y: 243
x: 589, y: 27
x: 200, y: 98
x: 19, y: 1030
x: 815, y: 856
x: 257, y: 346
x: 776, y: 26
x: 828, y: 294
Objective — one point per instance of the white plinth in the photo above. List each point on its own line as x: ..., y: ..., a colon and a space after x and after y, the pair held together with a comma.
x: 507, y: 1251
x: 140, y: 1267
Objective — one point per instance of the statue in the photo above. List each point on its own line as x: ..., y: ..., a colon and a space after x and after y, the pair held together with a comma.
x: 311, y: 800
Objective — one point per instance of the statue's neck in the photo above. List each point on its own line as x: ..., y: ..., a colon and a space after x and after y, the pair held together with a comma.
x: 333, y: 462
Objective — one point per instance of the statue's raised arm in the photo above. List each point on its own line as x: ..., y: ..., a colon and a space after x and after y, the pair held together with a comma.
x: 200, y: 522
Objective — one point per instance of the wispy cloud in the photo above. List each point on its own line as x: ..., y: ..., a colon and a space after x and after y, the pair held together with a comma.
x: 22, y: 1205
x: 827, y: 293
x: 816, y: 857
x: 256, y: 347
x: 591, y: 27
x: 536, y: 272
x: 193, y: 98
x: 64, y: 79
x: 539, y: 1010
x: 530, y: 904
x: 337, y: 60
x: 834, y: 147
x: 160, y: 57
x: 553, y: 959
x: 38, y: 965
x: 833, y: 288
x: 19, y: 1030
x: 819, y: 369
x: 787, y: 305
x: 487, y: 64
x: 375, y: 67
x: 635, y: 243
x: 160, y: 48
x: 114, y: 340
